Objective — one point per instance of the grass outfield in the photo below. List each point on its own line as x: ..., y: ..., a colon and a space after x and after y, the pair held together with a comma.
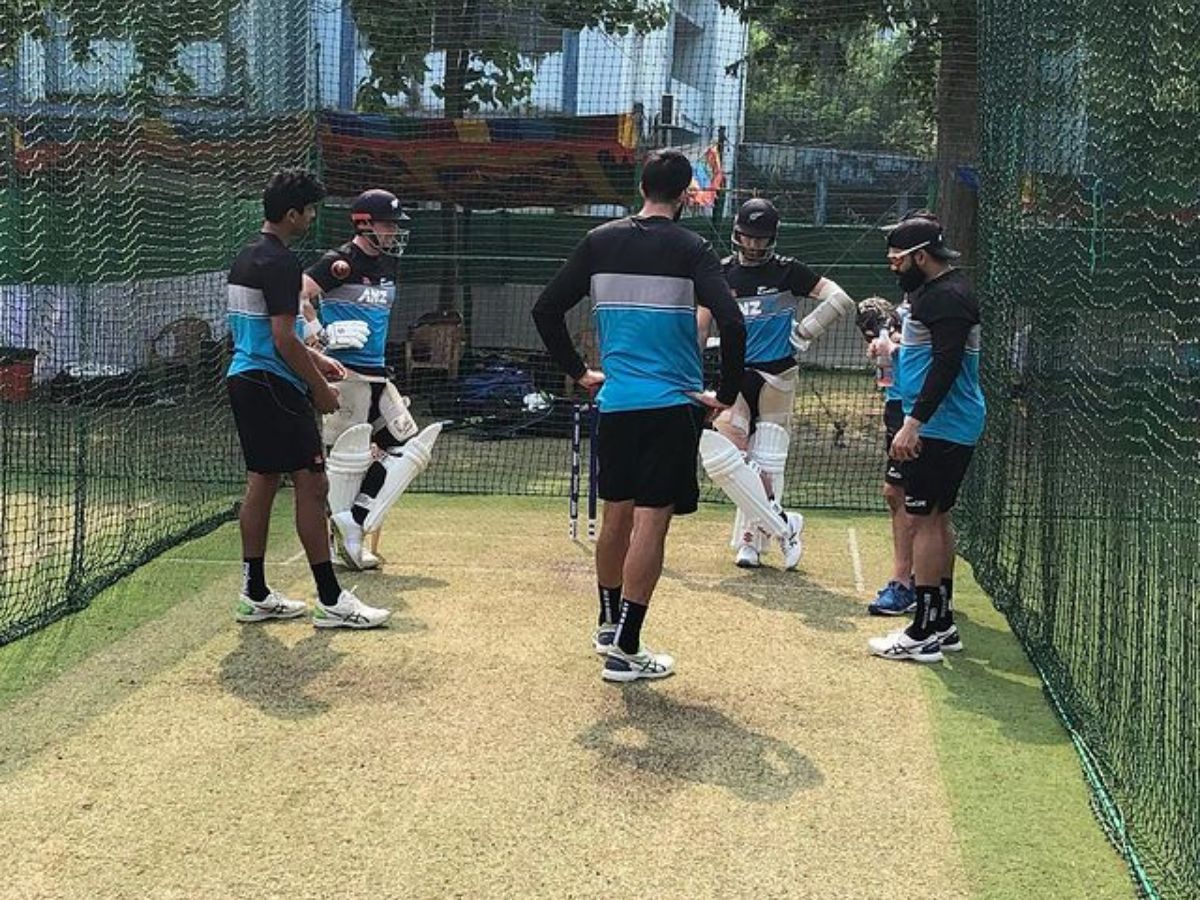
x: 151, y: 747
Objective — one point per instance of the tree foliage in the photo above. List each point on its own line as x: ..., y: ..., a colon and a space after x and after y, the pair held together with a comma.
x: 489, y: 46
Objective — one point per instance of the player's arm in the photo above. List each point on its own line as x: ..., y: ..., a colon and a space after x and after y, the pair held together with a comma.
x: 714, y: 294
x: 832, y: 302
x: 281, y: 291
x: 949, y: 329
x: 704, y: 321
x: 949, y: 344
x: 568, y: 286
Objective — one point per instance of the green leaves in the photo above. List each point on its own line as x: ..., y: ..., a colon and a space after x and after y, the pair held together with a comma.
x: 488, y: 47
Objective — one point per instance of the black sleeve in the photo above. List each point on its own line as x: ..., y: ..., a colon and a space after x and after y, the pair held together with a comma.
x: 714, y: 294
x: 569, y: 285
x: 801, y: 280
x: 281, y: 285
x: 322, y: 271
x: 949, y: 338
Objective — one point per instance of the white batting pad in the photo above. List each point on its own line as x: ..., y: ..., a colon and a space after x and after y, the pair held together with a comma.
x: 403, y: 464
x: 740, y: 481
x: 346, y: 464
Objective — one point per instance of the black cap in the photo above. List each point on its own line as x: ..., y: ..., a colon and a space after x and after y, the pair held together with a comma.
x: 758, y: 218
x: 921, y: 233
x: 378, y: 206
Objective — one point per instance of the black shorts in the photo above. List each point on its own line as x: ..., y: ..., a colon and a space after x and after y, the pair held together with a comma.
x: 276, y: 424
x: 893, y: 421
x: 649, y: 456
x: 932, y: 480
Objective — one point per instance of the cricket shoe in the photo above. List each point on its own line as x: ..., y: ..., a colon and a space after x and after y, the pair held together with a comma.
x: 273, y: 606
x: 791, y: 545
x: 948, y: 639
x: 349, y: 612
x: 349, y: 539
x: 604, y: 638
x: 898, y: 645
x: 893, y: 599
x: 622, y: 667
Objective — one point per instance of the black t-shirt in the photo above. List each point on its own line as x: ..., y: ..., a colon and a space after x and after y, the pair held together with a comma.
x: 264, y: 281
x: 360, y: 286
x: 360, y: 268
x: 940, y: 330
x: 769, y: 296
x: 645, y: 276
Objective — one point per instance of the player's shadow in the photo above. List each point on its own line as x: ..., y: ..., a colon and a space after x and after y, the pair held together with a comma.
x: 779, y: 591
x: 265, y: 672
x: 993, y: 679
x: 660, y: 736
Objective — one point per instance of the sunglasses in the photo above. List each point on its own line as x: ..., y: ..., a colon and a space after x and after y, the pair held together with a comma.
x: 900, y: 254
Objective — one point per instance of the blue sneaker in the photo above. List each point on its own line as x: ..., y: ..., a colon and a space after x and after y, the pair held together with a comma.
x: 895, y: 599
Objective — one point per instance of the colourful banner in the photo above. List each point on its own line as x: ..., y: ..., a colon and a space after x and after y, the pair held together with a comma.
x: 707, y: 178
x: 481, y: 163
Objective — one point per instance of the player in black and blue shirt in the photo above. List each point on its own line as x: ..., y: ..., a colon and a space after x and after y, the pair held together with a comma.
x: 276, y: 387
x: 944, y: 412
x: 882, y: 331
x: 645, y: 275
x: 356, y: 288
x: 771, y: 290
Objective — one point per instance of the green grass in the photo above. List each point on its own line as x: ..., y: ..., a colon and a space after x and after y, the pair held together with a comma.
x: 1016, y: 796
x: 1008, y: 763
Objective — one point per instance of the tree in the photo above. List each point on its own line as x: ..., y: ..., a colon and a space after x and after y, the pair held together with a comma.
x: 489, y: 46
x: 488, y: 59
x: 856, y: 98
x: 940, y: 67
x: 155, y: 33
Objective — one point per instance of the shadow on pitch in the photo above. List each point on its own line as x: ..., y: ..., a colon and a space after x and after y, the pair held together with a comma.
x: 662, y: 737
x: 992, y: 678
x: 267, y: 673
x: 779, y: 591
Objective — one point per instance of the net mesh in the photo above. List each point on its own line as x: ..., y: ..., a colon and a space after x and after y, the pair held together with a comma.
x: 138, y: 136
x: 1084, y: 514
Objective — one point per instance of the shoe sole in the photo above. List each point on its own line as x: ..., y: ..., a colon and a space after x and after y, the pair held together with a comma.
x: 925, y: 658
x: 266, y: 617
x: 626, y: 677
x: 342, y: 623
x: 880, y: 611
x: 953, y: 648
x: 746, y: 564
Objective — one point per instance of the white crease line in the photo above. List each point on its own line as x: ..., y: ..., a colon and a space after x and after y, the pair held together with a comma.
x: 295, y: 557
x: 856, y: 561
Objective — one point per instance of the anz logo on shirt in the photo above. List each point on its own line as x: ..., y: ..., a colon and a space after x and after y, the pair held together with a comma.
x: 760, y: 306
x: 377, y: 296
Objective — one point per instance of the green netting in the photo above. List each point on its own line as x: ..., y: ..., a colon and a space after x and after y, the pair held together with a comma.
x: 1084, y: 515
x: 135, y: 138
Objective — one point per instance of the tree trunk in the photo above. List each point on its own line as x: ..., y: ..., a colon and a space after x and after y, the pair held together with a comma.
x: 958, y: 127
x: 457, y: 28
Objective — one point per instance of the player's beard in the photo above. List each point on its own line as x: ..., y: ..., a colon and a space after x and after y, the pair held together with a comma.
x: 910, y: 279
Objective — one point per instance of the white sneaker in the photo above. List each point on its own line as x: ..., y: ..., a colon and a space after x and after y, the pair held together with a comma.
x: 622, y: 666
x: 603, y: 638
x: 348, y: 612
x: 898, y: 645
x: 369, y: 559
x: 349, y: 539
x: 949, y: 640
x: 747, y: 557
x: 273, y: 606
x: 791, y: 545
